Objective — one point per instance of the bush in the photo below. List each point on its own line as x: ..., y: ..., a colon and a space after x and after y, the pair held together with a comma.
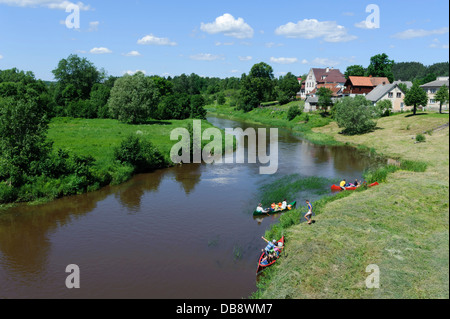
x: 139, y: 154
x: 293, y: 112
x: 420, y: 138
x: 355, y: 115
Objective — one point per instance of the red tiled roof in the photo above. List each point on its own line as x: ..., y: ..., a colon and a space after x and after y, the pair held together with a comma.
x: 379, y: 80
x: 368, y: 81
x: 360, y: 81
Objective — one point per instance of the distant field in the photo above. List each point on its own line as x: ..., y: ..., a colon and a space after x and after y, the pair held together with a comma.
x: 98, y: 137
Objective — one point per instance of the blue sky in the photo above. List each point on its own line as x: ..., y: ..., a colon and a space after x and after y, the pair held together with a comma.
x: 220, y: 38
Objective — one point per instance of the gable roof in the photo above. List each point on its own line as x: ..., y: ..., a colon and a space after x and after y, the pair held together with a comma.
x: 331, y: 86
x: 437, y: 83
x: 381, y: 90
x: 332, y: 76
x: 367, y: 81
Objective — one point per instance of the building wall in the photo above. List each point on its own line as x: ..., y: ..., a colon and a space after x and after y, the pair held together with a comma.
x: 396, y: 96
x: 310, y: 83
x: 434, y: 104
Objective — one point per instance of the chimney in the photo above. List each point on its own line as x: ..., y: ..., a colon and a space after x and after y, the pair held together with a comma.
x: 328, y: 69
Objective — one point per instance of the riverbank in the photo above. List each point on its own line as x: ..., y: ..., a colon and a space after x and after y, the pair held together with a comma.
x: 401, y: 226
x: 96, y: 139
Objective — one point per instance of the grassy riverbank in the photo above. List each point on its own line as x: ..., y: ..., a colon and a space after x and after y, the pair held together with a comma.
x: 402, y: 225
x: 276, y: 116
x: 96, y: 138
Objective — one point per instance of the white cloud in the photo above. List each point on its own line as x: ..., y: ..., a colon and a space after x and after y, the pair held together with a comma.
x: 205, y: 57
x: 51, y: 4
x: 130, y: 72
x: 152, y: 40
x: 325, y: 62
x: 245, y: 58
x: 100, y: 50
x: 419, y: 33
x: 273, y: 44
x: 223, y: 43
x: 330, y: 31
x: 229, y: 26
x: 93, y: 26
x: 283, y: 60
x: 1, y: 56
x: 132, y: 53
x: 438, y: 45
x: 364, y: 25
x: 304, y: 61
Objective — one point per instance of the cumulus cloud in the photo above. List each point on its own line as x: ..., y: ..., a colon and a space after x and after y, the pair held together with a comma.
x: 132, y: 53
x: 419, y: 33
x: 100, y: 50
x: 1, y: 56
x: 330, y: 31
x: 283, y: 60
x: 245, y: 58
x: 206, y: 57
x: 229, y: 26
x: 51, y: 4
x: 153, y: 40
x: 325, y: 62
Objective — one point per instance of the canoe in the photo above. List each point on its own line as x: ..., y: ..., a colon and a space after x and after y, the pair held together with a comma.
x: 293, y: 204
x: 262, y: 267
x: 338, y: 188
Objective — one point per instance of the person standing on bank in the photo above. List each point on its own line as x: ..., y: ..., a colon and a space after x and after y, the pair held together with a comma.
x: 308, y: 215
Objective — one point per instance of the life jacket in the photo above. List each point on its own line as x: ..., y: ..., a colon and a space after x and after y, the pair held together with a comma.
x: 273, y: 205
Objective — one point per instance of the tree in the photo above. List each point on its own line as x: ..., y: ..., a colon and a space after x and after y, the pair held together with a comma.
x: 287, y: 88
x: 325, y: 95
x: 99, y: 98
x: 197, y: 107
x: 381, y: 66
x: 23, y: 134
x: 81, y: 73
x: 355, y: 70
x: 134, y: 98
x: 355, y: 115
x: 416, y: 96
x: 257, y: 87
x: 442, y: 96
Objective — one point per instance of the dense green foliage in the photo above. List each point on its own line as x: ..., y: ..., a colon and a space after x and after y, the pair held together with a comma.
x: 381, y: 66
x: 442, y: 96
x: 355, y: 115
x: 413, y: 71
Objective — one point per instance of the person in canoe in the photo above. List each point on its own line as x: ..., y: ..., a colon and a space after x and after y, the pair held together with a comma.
x: 343, y: 184
x: 270, y: 244
x: 284, y: 204
x: 308, y: 215
x: 260, y: 209
x: 273, y: 207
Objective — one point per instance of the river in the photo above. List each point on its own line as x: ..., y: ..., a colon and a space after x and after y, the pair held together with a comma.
x: 176, y: 233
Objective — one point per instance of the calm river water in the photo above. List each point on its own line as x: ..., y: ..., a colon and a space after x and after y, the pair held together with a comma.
x: 181, y: 232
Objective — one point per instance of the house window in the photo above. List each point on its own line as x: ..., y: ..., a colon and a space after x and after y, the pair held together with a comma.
x: 391, y: 95
x: 402, y: 105
x: 433, y: 91
x: 432, y: 101
x: 399, y: 95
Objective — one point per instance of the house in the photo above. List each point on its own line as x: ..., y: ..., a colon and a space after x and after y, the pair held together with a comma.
x: 431, y: 88
x: 390, y: 92
x: 318, y: 76
x: 311, y: 104
x: 362, y: 85
x: 335, y: 88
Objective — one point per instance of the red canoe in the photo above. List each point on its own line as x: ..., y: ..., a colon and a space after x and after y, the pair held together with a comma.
x: 262, y: 267
x: 338, y: 188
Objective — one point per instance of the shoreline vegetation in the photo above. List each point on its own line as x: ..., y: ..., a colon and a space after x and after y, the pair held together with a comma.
x: 400, y: 225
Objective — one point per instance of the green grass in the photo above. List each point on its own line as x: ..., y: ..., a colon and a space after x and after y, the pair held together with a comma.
x: 402, y: 225
x: 99, y: 137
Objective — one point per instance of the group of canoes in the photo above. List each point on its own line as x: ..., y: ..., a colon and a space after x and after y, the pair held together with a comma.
x: 272, y: 252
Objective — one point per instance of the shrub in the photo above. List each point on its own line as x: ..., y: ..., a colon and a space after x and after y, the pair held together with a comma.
x: 420, y: 138
x: 355, y: 115
x: 140, y: 154
x: 293, y: 112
